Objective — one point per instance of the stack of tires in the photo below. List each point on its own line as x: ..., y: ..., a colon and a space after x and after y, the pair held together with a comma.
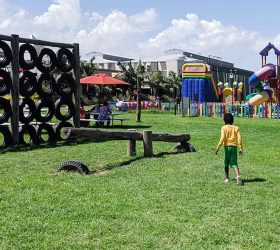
x: 55, y: 95
x: 5, y: 88
x: 48, y: 75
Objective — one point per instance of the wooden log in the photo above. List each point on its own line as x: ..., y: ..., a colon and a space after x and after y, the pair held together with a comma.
x: 131, y: 145
x: 170, y: 137
x: 15, y: 89
x: 95, y: 134
x: 148, y: 143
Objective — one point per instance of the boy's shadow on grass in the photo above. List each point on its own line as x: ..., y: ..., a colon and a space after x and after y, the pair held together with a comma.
x: 254, y: 180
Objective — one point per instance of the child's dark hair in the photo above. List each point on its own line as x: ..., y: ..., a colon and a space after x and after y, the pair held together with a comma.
x: 228, y: 118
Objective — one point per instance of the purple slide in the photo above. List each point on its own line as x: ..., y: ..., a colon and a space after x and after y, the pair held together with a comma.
x: 263, y: 74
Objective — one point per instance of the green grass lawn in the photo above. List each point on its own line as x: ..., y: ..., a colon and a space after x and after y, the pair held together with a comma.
x: 170, y: 201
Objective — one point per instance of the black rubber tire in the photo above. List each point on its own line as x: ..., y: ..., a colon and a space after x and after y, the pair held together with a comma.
x: 61, y: 54
x: 6, y: 84
x: 74, y: 165
x: 27, y: 128
x: 51, y: 81
x: 71, y: 109
x: 7, y: 58
x: 32, y: 110
x: 44, y: 103
x: 51, y: 134
x: 53, y: 60
x: 5, y: 104
x: 184, y: 146
x: 29, y: 89
x: 33, y: 56
x: 58, y: 129
x: 8, y: 139
x: 65, y: 78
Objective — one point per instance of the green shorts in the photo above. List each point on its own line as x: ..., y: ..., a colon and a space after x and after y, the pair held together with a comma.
x: 231, y: 156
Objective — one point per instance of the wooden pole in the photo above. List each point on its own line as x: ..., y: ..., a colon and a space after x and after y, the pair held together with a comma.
x: 138, y: 111
x: 148, y: 143
x: 77, y: 92
x: 15, y: 88
x: 131, y: 145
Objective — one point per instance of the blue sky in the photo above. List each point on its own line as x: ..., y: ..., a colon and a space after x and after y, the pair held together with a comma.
x: 234, y: 30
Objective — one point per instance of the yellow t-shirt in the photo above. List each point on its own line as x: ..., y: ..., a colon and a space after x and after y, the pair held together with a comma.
x: 230, y: 136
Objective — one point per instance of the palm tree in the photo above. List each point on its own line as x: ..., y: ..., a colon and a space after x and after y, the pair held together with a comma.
x: 172, y: 81
x: 156, y: 81
x: 131, y: 74
x: 87, y: 68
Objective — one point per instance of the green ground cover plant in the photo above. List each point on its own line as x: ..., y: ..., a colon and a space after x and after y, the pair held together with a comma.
x: 170, y: 201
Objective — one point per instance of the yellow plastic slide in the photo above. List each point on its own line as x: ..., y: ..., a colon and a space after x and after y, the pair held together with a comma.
x: 259, y: 98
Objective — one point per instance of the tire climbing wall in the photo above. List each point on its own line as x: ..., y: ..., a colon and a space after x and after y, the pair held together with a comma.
x: 39, y: 90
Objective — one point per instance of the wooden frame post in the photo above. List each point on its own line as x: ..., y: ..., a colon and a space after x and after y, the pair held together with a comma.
x: 138, y: 110
x: 77, y: 92
x: 131, y: 145
x: 148, y: 143
x: 15, y: 89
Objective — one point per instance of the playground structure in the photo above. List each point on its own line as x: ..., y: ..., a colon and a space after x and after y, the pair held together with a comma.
x: 198, y: 83
x: 229, y: 94
x: 265, y: 81
x: 198, y: 86
x: 24, y: 72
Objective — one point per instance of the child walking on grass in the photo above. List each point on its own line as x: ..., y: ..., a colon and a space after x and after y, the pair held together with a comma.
x: 231, y: 139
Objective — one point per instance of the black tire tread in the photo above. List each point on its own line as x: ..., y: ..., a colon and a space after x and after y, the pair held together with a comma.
x: 74, y: 165
x: 7, y: 110
x: 71, y: 107
x: 33, y: 55
x: 7, y: 54
x: 61, y: 66
x: 7, y: 81
x: 50, y: 130
x: 58, y: 128
x: 32, y: 133
x: 8, y: 139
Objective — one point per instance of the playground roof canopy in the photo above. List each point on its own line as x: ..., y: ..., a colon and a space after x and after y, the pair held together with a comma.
x: 270, y: 46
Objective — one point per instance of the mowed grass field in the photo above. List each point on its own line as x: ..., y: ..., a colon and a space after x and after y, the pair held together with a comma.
x: 170, y: 201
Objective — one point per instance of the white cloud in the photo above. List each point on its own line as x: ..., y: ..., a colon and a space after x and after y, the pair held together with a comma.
x: 93, y: 16
x: 145, y: 21
x: 61, y: 15
x: 207, y: 37
x: 118, y: 33
x: 134, y: 35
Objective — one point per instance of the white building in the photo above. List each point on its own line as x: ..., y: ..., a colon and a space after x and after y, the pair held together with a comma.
x: 172, y: 60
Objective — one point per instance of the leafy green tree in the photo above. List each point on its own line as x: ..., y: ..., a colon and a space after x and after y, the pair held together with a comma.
x: 172, y: 81
x: 156, y: 81
x: 131, y: 74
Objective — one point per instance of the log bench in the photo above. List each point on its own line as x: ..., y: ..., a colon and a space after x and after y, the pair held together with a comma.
x: 147, y: 136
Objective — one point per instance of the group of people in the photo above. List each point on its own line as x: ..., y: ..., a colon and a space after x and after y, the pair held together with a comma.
x: 101, y: 113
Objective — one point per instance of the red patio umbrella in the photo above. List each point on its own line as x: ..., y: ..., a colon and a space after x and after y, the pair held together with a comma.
x: 102, y: 79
